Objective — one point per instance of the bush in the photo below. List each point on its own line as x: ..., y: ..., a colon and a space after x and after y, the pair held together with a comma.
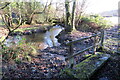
x: 100, y: 21
x: 93, y: 22
x: 17, y: 52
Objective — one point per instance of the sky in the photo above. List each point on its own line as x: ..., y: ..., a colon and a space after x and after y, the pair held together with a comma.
x: 96, y: 6
x: 93, y: 6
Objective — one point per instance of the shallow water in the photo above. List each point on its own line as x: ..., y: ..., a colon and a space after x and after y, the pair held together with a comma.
x: 40, y: 40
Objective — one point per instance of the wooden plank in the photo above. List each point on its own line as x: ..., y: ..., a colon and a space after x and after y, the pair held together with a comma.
x: 88, y: 67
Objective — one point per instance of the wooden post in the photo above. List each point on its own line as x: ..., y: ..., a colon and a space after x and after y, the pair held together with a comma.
x: 70, y: 54
x: 118, y: 45
x: 102, y: 39
x: 94, y: 48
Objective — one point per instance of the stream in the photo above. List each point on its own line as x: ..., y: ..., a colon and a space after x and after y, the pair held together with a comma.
x: 45, y: 65
x: 40, y: 40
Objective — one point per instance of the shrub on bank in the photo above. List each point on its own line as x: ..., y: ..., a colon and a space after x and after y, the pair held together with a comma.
x: 93, y: 23
x: 17, y: 52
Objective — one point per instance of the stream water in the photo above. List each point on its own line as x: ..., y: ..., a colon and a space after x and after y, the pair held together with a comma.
x: 40, y: 40
x: 45, y: 65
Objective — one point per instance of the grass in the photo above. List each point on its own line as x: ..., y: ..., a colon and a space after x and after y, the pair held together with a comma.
x: 24, y: 29
x: 31, y: 27
x: 2, y: 38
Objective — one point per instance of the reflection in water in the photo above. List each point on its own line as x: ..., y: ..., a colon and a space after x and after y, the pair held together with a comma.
x: 37, y: 39
x: 40, y: 40
x: 12, y: 40
x: 47, y: 39
x: 51, y: 34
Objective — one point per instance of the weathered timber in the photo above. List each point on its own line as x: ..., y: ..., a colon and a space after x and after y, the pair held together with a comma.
x: 81, y: 39
x: 79, y: 52
x: 85, y: 69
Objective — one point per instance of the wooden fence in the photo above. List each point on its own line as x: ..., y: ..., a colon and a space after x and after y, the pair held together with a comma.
x: 71, y: 56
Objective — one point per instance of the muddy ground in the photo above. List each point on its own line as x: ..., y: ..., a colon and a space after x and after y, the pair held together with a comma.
x: 51, y: 61
x: 109, y: 71
x: 48, y: 64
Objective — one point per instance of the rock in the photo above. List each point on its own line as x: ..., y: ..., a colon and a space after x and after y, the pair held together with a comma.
x: 27, y: 32
x: 104, y: 78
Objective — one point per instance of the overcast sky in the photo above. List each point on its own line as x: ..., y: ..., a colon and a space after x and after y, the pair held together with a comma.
x: 93, y: 6
x: 96, y: 6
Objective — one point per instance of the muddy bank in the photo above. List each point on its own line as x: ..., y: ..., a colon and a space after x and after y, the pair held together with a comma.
x: 26, y: 29
x: 31, y: 30
x: 63, y: 37
x: 48, y: 63
x: 110, y: 71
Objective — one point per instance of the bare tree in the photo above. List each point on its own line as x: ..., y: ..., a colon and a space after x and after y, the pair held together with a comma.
x: 47, y: 11
x: 70, y: 18
x: 8, y: 20
x: 31, y: 10
x: 73, y: 15
x: 67, y: 22
x: 80, y: 9
x: 3, y: 6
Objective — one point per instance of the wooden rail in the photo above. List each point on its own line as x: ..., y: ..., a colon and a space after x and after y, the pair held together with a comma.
x: 71, y: 56
x: 81, y: 39
x: 79, y: 52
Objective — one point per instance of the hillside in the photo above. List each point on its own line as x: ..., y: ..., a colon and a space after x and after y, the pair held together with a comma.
x: 109, y: 13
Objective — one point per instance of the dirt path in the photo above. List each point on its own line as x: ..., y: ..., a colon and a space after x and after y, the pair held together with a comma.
x: 111, y: 70
x: 46, y: 65
x: 51, y: 61
x: 111, y: 39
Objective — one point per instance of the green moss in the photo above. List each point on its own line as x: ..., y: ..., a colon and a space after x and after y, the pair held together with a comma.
x: 86, y: 68
x: 44, y: 27
x: 24, y: 29
x: 2, y: 38
x: 87, y: 55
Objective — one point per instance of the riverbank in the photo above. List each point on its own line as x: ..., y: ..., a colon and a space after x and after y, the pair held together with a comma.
x: 3, y: 33
x: 110, y: 71
x: 30, y: 29
x: 48, y: 63
x: 24, y: 30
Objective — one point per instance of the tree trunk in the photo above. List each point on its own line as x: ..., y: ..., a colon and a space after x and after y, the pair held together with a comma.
x: 29, y: 14
x: 29, y: 19
x: 6, y: 4
x: 67, y: 22
x: 70, y: 23
x: 73, y: 16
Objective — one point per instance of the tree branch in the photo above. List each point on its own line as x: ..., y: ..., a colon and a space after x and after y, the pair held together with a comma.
x: 4, y: 6
x: 6, y: 23
x: 44, y: 8
x: 20, y: 22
